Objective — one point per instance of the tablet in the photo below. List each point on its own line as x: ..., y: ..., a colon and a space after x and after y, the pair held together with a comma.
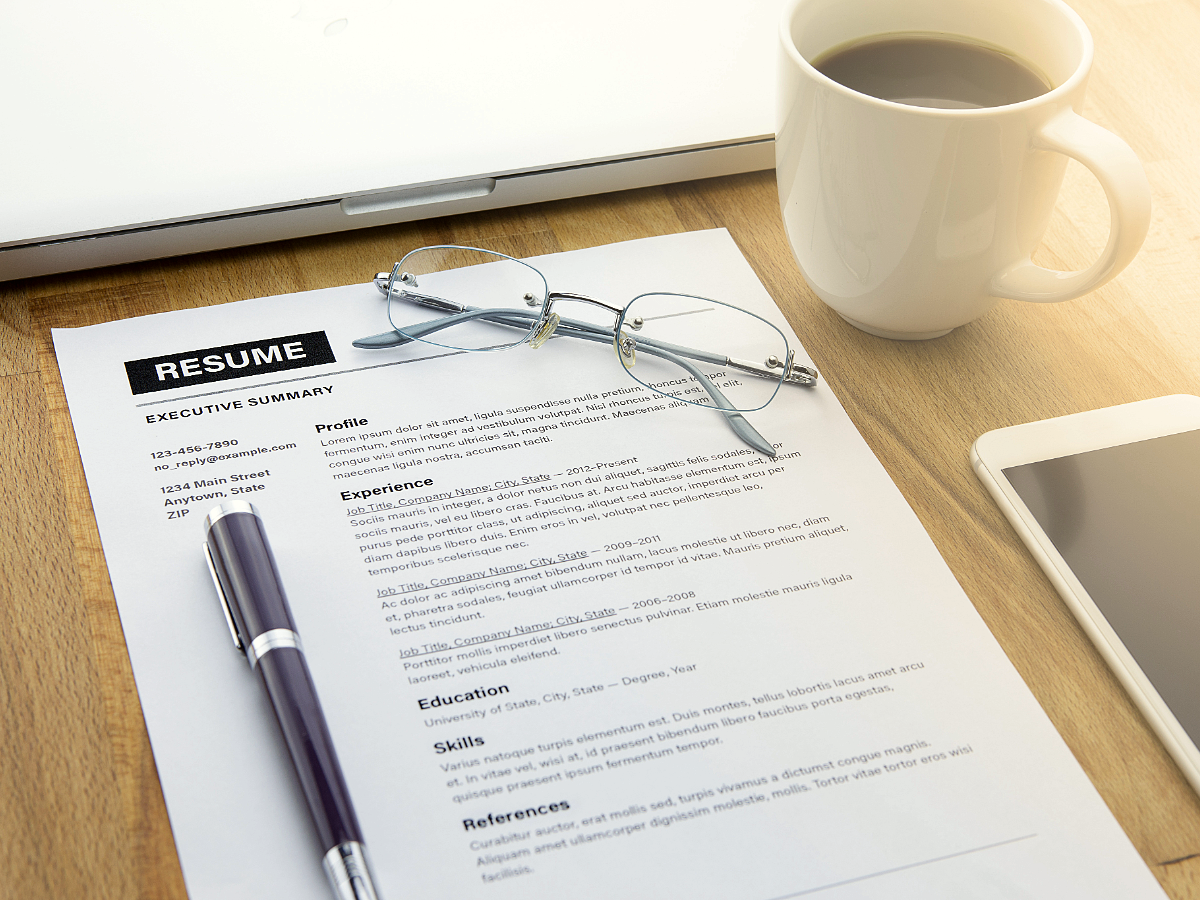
x: 1108, y: 502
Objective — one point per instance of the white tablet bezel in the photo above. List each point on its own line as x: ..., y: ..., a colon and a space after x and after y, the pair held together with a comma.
x: 1065, y: 436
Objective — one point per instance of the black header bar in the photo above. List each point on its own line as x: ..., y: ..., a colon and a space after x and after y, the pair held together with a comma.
x: 192, y: 367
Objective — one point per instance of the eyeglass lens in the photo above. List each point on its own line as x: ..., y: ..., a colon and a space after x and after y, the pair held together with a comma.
x: 467, y: 277
x: 703, y: 333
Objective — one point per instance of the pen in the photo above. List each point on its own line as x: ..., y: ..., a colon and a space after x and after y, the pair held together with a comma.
x: 248, y: 585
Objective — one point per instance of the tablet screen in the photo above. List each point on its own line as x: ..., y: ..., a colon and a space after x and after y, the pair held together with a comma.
x: 1127, y: 521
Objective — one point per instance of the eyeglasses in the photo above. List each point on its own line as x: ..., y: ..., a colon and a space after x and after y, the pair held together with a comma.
x: 656, y: 336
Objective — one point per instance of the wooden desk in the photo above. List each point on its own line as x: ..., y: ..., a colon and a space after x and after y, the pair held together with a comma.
x: 81, y: 812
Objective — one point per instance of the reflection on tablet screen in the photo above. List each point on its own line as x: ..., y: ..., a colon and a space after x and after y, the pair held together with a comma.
x: 1127, y: 521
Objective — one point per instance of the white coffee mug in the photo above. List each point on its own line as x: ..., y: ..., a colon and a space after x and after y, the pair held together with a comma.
x: 910, y: 221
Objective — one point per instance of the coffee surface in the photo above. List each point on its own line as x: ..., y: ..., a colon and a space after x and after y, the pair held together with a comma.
x: 934, y: 71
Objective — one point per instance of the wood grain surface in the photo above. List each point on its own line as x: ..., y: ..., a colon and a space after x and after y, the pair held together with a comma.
x: 81, y: 811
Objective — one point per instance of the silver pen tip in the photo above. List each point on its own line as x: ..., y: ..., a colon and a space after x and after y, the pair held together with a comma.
x: 349, y: 872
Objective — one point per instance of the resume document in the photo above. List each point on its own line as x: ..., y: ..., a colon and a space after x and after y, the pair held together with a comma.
x: 572, y: 639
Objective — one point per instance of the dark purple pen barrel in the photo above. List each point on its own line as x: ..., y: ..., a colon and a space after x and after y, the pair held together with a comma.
x: 247, y: 570
x: 249, y: 579
x: 294, y: 699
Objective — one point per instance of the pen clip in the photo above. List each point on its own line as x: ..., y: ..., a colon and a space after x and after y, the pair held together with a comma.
x: 212, y: 570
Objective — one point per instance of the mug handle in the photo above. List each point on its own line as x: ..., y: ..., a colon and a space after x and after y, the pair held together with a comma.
x: 1120, y: 173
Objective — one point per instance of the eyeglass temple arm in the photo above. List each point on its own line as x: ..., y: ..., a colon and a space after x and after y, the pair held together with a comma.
x: 403, y: 292
x: 736, y: 421
x: 519, y: 318
x: 396, y: 338
x: 794, y: 373
x: 587, y: 331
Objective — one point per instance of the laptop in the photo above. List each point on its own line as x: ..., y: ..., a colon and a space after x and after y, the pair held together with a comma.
x: 143, y: 130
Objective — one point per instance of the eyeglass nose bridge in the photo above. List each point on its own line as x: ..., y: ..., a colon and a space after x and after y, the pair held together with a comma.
x: 583, y: 298
x: 624, y: 345
x: 549, y: 320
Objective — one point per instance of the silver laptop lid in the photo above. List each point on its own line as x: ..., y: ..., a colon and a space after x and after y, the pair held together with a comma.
x: 143, y: 129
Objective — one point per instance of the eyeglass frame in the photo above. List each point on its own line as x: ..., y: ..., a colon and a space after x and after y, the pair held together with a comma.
x: 546, y: 323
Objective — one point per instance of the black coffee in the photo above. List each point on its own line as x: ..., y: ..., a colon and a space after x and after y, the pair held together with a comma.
x: 933, y: 70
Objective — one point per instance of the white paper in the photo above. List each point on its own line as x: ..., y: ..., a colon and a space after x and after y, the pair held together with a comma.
x: 758, y: 680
